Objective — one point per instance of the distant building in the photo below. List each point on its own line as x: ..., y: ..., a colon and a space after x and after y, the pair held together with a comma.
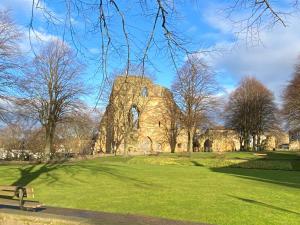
x: 138, y: 120
x: 294, y: 136
x: 221, y: 139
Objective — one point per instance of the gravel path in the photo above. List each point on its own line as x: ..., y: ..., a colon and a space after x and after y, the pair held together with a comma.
x: 94, y: 217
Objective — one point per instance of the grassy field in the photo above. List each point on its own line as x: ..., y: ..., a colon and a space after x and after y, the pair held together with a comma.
x: 205, y: 187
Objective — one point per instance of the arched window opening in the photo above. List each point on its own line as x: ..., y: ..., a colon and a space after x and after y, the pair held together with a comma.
x: 208, y: 145
x: 144, y: 92
x: 158, y: 123
x: 133, y: 117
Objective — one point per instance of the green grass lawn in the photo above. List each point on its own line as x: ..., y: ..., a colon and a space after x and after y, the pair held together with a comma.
x: 206, y: 187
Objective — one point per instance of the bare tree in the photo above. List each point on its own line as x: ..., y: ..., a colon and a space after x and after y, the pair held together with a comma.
x: 251, y: 112
x: 50, y: 90
x: 252, y: 16
x: 77, y: 134
x: 18, y: 136
x: 194, y: 89
x: 171, y: 120
x: 291, y: 97
x: 9, y: 55
x: 113, y: 23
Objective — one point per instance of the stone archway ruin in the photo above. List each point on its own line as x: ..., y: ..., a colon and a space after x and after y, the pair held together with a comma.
x: 146, y: 145
x: 208, y: 145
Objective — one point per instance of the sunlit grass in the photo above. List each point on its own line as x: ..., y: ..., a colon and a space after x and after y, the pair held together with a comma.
x: 172, y: 186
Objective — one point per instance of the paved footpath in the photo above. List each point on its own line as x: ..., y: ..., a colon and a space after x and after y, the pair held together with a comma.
x: 94, y: 217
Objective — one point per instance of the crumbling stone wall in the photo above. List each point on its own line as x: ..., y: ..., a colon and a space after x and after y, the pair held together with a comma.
x: 219, y: 140
x: 135, y: 119
x: 294, y: 136
x: 294, y: 145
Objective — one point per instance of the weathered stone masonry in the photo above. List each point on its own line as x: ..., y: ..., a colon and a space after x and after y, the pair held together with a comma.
x: 135, y: 118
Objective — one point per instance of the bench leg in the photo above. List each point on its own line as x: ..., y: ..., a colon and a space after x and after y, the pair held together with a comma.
x: 21, y: 195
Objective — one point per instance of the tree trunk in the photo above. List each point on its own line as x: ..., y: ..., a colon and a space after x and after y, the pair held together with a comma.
x: 173, y: 142
x: 50, y: 131
x: 125, y: 144
x: 254, y: 143
x: 173, y: 146
x: 189, y: 144
x: 241, y: 144
x: 258, y: 143
x: 246, y: 142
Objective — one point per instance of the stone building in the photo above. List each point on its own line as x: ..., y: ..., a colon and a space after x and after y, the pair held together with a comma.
x: 138, y: 119
x: 294, y: 136
x: 142, y: 118
x: 219, y: 139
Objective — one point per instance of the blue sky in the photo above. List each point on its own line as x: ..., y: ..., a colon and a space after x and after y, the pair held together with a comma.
x: 203, y: 23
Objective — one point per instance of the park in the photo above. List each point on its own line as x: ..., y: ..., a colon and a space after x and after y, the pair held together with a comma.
x: 160, y: 112
x: 206, y: 187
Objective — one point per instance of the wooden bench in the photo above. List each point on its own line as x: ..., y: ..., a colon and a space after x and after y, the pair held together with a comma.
x: 14, y: 196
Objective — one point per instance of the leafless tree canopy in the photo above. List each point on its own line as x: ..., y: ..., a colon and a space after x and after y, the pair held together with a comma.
x: 291, y: 107
x: 171, y: 120
x: 194, y: 88
x: 251, y: 111
x: 50, y: 90
x: 9, y: 55
x: 9, y: 49
x: 79, y: 132
x: 117, y: 26
x: 251, y: 16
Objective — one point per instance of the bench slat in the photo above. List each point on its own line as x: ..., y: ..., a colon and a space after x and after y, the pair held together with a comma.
x: 7, y: 193
x: 29, y: 192
x: 12, y: 202
x: 32, y: 204
x: 8, y: 188
x: 4, y: 189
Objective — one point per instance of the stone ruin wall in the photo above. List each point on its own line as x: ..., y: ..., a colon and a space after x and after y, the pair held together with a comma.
x: 294, y: 140
x: 224, y: 140
x: 150, y: 136
x: 294, y: 146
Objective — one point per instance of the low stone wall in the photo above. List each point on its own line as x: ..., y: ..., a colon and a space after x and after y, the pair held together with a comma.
x: 294, y: 146
x: 20, y: 218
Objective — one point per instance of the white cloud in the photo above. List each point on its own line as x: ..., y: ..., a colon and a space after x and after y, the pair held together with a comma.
x: 17, y: 6
x: 94, y: 51
x: 22, y: 9
x: 34, y: 39
x: 272, y: 62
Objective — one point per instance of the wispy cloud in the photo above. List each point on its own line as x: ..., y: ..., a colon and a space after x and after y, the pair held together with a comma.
x: 23, y: 6
x: 272, y: 62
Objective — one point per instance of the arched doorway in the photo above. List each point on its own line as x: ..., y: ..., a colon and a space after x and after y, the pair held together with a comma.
x: 207, y: 145
x: 146, y: 145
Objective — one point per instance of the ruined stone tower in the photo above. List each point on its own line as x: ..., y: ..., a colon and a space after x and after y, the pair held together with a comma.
x: 137, y: 118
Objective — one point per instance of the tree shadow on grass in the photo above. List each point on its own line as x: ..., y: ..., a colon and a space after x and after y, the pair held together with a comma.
x: 275, y: 168
x: 195, y: 163
x: 109, y: 170
x: 258, y: 203
x: 285, y: 178
x: 29, y: 173
x: 32, y: 172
